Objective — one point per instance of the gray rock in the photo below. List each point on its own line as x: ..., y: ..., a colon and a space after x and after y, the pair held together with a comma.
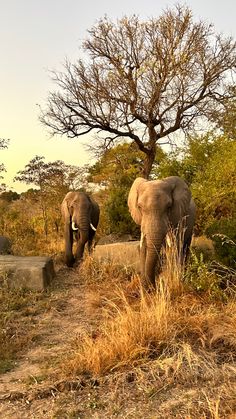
x: 5, y: 245
x: 115, y: 238
x: 126, y: 254
x: 32, y: 272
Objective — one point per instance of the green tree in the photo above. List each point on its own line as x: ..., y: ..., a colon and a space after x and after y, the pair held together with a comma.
x: 114, y: 173
x: 9, y: 196
x: 142, y: 80
x: 53, y: 180
x: 189, y: 159
x: 214, y: 188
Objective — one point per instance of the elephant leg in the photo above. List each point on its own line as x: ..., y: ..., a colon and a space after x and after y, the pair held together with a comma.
x: 152, y: 267
x: 90, y: 240
x: 69, y: 258
x: 186, y: 249
x: 79, y: 251
x: 147, y: 284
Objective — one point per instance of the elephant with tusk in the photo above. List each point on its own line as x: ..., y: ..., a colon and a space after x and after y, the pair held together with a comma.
x: 158, y: 206
x: 81, y: 216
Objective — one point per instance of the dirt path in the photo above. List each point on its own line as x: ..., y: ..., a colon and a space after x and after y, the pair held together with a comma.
x: 69, y: 316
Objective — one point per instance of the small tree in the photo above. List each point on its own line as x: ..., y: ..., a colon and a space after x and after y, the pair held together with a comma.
x: 54, y: 179
x: 214, y: 188
x: 190, y: 158
x: 142, y: 80
x: 3, y: 144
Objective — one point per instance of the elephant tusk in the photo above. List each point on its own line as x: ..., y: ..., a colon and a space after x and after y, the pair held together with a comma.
x: 141, y: 240
x: 92, y: 227
x: 74, y: 226
x: 168, y: 240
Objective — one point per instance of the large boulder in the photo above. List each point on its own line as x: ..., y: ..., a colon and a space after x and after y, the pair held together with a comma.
x: 5, y: 245
x: 32, y: 272
x: 125, y: 254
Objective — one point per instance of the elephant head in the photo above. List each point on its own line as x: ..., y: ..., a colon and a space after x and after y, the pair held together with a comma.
x: 81, y: 216
x: 156, y: 205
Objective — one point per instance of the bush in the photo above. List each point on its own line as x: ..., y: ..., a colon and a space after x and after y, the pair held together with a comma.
x: 117, y: 212
x: 223, y: 234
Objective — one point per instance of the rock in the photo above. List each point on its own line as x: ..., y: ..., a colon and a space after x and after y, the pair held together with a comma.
x: 126, y: 254
x: 5, y: 245
x: 32, y: 272
x: 115, y: 238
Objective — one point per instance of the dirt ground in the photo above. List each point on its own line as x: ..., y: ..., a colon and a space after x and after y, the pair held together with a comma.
x: 35, y: 388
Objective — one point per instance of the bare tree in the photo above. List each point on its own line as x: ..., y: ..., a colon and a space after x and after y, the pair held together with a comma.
x: 142, y: 80
x: 224, y: 116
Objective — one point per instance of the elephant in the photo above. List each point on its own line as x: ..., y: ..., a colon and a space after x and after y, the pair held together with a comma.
x: 158, y: 206
x: 81, y: 217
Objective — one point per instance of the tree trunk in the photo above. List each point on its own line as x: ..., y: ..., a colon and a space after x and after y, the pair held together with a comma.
x: 148, y: 163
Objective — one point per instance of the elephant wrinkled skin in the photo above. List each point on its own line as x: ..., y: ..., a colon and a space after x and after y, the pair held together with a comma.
x: 81, y: 216
x: 157, y: 206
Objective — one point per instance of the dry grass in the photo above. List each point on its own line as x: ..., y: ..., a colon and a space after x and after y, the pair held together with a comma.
x: 171, y: 325
x: 18, y: 309
x: 169, y: 353
x: 175, y: 345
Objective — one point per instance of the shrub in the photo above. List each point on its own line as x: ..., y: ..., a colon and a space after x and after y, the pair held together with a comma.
x: 117, y: 212
x: 223, y: 234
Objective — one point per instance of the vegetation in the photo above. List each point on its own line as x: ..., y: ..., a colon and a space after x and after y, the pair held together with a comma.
x: 114, y: 173
x: 18, y: 310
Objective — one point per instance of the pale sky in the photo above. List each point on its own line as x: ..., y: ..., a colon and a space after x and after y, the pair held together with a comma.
x: 37, y: 36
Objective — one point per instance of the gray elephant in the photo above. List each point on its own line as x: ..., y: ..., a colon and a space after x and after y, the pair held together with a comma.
x: 157, y: 206
x: 81, y: 216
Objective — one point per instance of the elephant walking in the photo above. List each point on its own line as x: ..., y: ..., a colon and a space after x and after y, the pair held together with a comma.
x: 157, y: 206
x: 81, y: 216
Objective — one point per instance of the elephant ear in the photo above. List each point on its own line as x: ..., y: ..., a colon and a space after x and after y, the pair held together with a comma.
x: 181, y: 196
x: 133, y: 198
x: 65, y: 209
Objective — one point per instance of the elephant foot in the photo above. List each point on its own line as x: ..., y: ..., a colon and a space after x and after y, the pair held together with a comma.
x: 70, y: 265
x: 70, y: 262
x: 148, y: 285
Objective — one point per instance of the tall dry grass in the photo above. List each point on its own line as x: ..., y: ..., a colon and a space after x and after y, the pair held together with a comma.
x: 183, y: 334
x: 175, y: 346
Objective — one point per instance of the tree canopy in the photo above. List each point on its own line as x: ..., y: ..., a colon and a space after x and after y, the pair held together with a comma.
x: 54, y: 176
x: 142, y: 80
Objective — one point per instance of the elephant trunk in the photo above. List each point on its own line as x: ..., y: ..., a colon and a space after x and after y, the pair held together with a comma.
x: 152, y: 263
x: 82, y: 223
x: 154, y: 242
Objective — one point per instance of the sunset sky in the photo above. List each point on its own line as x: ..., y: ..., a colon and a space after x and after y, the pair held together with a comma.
x: 37, y: 36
